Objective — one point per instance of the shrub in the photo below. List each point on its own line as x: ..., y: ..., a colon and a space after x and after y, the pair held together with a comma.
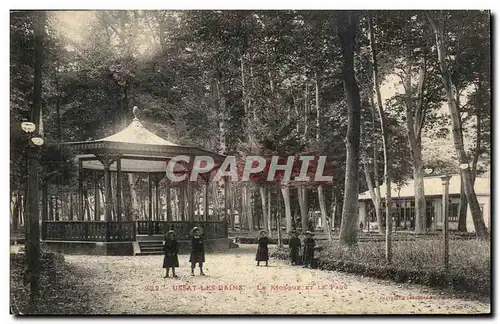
x: 417, y: 261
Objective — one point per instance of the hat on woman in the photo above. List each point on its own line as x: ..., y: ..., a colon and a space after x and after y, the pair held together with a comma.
x: 171, y: 232
x: 263, y: 231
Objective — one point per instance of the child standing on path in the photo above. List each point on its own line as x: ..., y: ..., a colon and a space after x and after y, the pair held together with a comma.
x: 171, y: 248
x: 294, y: 244
x: 197, y: 250
x: 309, y: 245
x: 262, y: 250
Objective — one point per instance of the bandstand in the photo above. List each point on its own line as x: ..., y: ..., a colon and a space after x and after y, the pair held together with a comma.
x: 135, y: 149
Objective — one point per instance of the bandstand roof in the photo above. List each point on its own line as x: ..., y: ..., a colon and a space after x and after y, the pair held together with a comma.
x: 139, y: 149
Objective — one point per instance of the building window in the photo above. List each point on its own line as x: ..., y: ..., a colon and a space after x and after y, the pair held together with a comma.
x: 453, y: 212
x: 429, y: 213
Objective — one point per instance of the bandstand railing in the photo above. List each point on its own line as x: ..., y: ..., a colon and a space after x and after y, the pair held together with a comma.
x: 126, y: 231
x: 211, y: 229
x: 93, y: 231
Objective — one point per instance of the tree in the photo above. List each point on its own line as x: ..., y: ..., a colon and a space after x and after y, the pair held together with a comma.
x: 438, y: 26
x: 385, y: 144
x: 33, y: 229
x: 348, y: 23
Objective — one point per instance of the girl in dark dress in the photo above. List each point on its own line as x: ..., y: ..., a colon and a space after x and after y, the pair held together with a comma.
x: 197, y: 250
x: 294, y: 245
x: 171, y: 249
x: 262, y: 250
x: 309, y: 245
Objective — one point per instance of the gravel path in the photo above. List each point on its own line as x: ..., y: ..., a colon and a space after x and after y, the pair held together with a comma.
x: 234, y: 285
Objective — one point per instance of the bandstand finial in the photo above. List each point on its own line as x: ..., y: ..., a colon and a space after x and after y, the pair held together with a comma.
x: 135, y: 111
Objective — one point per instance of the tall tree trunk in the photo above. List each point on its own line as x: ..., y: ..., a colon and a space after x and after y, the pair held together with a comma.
x: 133, y: 196
x: 285, y: 190
x: 414, y: 139
x: 286, y: 195
x: 376, y: 177
x: 16, y: 212
x: 168, y: 200
x: 243, y: 209
x: 114, y: 201
x: 251, y: 215
x: 302, y: 194
x: 467, y: 176
x: 221, y: 98
x: 318, y: 111
x: 374, y: 192
x: 477, y: 149
x: 23, y: 209
x: 462, y: 214
x: 32, y: 226
x: 44, y: 202
x: 269, y: 228
x: 215, y: 201
x: 175, y: 214
x: 182, y: 202
x: 128, y: 203
x: 71, y: 206
x: 263, y: 197
x: 51, y: 207
x: 234, y: 206
x: 348, y: 227
x: 306, y: 112
x: 87, y: 204
x: 462, y: 209
x: 385, y: 144
x: 322, y: 207
x: 420, y: 203
x: 56, y: 208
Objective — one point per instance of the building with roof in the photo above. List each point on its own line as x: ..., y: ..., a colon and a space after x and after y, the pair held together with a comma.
x: 404, y: 200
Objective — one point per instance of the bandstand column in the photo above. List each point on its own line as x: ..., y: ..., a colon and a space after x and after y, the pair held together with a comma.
x: 106, y: 161
x: 97, y: 203
x: 81, y: 214
x: 118, y: 189
x: 157, y: 197
x: 107, y: 192
x: 190, y: 198
x: 150, y: 204
x: 167, y: 199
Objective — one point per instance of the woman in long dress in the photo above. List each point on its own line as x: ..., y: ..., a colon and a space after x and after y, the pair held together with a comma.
x: 171, y: 248
x: 262, y: 250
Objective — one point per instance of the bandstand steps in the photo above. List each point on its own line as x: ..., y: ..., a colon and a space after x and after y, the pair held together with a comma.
x: 150, y: 253
x: 150, y: 248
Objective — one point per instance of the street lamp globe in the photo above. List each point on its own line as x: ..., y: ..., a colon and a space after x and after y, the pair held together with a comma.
x: 38, y: 141
x: 28, y: 127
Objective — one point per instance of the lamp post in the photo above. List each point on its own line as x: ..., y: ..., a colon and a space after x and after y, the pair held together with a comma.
x: 32, y: 225
x: 446, y: 184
